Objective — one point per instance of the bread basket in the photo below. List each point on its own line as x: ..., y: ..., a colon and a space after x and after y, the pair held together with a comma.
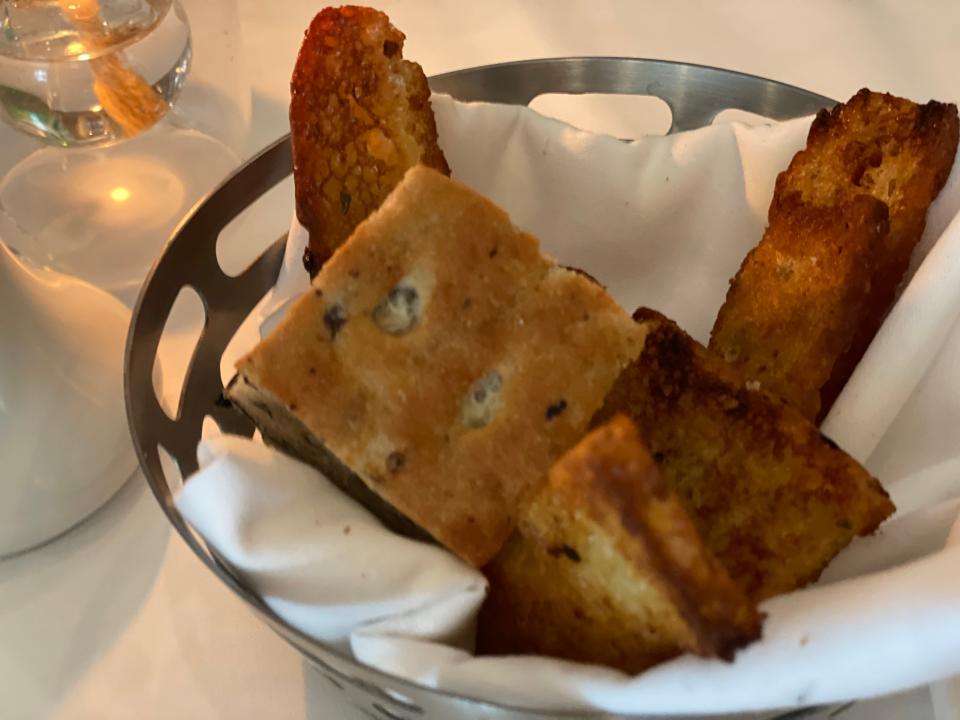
x: 694, y: 94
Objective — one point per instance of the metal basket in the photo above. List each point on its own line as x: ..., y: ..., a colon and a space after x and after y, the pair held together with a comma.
x: 694, y: 94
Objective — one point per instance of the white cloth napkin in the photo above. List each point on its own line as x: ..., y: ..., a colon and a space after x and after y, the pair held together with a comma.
x: 663, y: 222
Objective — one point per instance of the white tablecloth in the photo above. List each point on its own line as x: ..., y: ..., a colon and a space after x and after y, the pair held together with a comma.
x: 118, y: 620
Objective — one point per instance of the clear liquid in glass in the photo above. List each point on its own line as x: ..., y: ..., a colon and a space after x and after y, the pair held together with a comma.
x: 90, y: 72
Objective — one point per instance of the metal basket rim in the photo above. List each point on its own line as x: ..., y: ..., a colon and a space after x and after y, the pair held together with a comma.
x: 560, y: 59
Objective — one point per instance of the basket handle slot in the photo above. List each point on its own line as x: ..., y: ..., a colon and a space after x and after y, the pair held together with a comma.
x: 615, y: 114
x: 245, y: 237
x: 694, y: 93
x: 191, y: 262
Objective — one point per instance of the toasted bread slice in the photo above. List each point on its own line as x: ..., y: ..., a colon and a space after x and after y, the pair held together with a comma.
x: 773, y: 499
x: 606, y: 567
x: 800, y: 297
x: 444, y: 360
x: 893, y: 150
x: 360, y: 117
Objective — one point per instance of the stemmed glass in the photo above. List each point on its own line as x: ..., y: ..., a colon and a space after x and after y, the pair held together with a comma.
x: 128, y: 114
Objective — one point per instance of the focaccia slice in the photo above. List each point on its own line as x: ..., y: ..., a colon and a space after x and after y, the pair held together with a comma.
x: 360, y: 117
x: 444, y: 360
x: 878, y: 146
x: 800, y: 297
x: 773, y: 498
x: 606, y: 567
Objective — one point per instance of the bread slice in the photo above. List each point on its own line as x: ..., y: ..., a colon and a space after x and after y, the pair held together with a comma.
x: 874, y: 146
x: 606, y: 567
x: 444, y: 360
x: 360, y: 117
x: 773, y: 499
x: 800, y: 297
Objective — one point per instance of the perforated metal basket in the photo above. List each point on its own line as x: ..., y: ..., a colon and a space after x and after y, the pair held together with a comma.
x: 694, y: 94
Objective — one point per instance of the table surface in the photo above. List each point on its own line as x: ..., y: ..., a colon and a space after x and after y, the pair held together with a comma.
x: 117, y: 619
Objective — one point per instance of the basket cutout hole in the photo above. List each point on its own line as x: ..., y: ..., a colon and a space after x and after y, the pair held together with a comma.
x: 733, y: 115
x: 243, y: 341
x: 251, y: 232
x: 623, y: 116
x: 210, y: 428
x: 181, y: 332
x: 171, y: 470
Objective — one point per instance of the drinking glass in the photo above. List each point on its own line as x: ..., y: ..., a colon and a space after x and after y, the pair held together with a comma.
x: 119, y: 116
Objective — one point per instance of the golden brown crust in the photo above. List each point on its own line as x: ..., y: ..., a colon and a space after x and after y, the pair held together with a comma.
x: 876, y: 145
x: 773, y: 499
x: 360, y: 116
x: 607, y: 567
x: 799, y: 297
x: 445, y: 361
x: 900, y: 153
